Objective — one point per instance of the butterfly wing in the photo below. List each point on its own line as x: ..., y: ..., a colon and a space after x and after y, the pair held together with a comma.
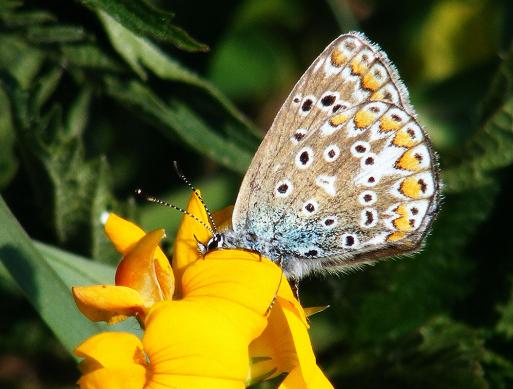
x: 345, y: 174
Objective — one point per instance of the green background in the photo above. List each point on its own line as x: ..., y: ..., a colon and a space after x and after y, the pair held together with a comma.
x: 98, y: 97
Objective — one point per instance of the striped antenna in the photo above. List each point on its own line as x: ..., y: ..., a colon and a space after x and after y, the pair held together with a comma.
x: 155, y: 200
x: 189, y: 184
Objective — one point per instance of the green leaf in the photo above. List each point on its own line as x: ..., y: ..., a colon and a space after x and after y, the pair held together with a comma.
x: 8, y: 161
x: 140, y: 53
x: 89, y: 56
x: 46, y: 291
x: 15, y: 51
x: 55, y: 34
x: 26, y: 18
x: 176, y: 118
x: 143, y: 20
x: 78, y: 113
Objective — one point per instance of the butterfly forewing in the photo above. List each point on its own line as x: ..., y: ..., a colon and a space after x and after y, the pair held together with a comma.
x: 345, y: 173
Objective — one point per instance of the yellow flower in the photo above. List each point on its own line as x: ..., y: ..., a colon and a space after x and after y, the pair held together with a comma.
x: 202, y: 339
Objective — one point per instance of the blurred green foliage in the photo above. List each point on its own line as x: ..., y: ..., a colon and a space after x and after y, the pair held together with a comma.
x: 98, y: 97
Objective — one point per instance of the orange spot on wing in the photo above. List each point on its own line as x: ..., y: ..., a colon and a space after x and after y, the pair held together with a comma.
x: 337, y: 58
x: 411, y: 187
x: 389, y: 124
x: 370, y: 82
x: 364, y: 119
x: 409, y: 161
x: 358, y: 68
x: 377, y: 96
x: 395, y: 236
x: 402, y: 223
x: 337, y: 120
x: 404, y: 139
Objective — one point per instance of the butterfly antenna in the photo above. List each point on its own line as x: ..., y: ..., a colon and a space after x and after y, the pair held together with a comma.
x: 189, y: 184
x: 153, y: 199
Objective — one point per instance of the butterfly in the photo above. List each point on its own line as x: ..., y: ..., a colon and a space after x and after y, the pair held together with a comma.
x: 345, y: 176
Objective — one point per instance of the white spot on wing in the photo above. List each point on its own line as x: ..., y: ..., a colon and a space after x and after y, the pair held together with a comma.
x: 283, y: 188
x: 367, y: 197
x: 310, y: 207
x: 327, y: 183
x: 304, y: 158
x: 368, y: 218
x: 331, y: 153
x: 360, y: 148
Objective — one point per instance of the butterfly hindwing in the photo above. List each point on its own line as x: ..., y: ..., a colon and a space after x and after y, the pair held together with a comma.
x: 345, y: 171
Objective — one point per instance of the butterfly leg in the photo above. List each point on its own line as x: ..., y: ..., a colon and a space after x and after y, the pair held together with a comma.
x: 271, y: 305
x: 294, y: 284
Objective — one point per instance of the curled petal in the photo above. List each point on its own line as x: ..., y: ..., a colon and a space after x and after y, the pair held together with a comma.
x: 140, y: 270
x: 125, y: 235
x: 108, y: 303
x: 122, y: 233
x: 112, y: 360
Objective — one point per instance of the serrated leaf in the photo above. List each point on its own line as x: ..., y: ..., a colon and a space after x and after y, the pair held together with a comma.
x: 439, y: 354
x: 16, y: 51
x: 143, y: 20
x: 491, y: 147
x: 89, y: 56
x: 55, y: 34
x: 25, y: 18
x: 44, y: 88
x: 78, y: 113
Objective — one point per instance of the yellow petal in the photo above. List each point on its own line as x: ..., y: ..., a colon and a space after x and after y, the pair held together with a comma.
x: 295, y: 380
x: 307, y: 373
x: 185, y: 249
x: 194, y: 382
x: 140, y: 270
x: 285, y: 346
x: 243, y: 277
x: 205, y: 338
x: 112, y: 360
x: 207, y: 334
x: 133, y: 377
x: 273, y: 352
x: 125, y: 235
x: 122, y: 233
x: 108, y: 302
